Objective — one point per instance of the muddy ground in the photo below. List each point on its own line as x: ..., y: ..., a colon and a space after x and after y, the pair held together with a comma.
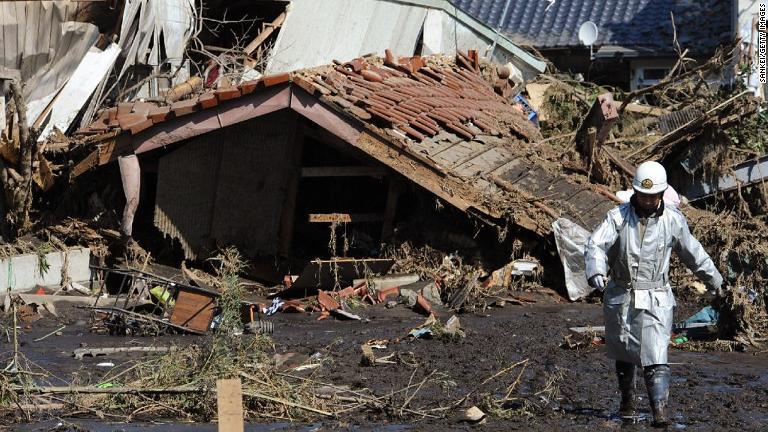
x: 559, y: 389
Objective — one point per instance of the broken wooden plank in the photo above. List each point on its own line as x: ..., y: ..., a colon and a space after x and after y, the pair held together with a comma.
x: 261, y: 37
x: 646, y: 110
x: 741, y: 175
x: 343, y: 171
x: 345, y: 217
x: 229, y: 404
x: 91, y: 161
x: 193, y: 310
x: 109, y: 390
x: 620, y: 162
x: 79, y: 353
x: 602, y: 115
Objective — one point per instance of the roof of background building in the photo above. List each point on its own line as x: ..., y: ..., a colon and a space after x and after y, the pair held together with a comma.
x: 701, y: 25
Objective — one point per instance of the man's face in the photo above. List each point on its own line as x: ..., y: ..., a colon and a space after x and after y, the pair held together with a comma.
x: 648, y: 202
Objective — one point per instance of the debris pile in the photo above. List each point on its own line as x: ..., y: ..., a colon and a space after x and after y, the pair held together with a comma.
x: 692, y: 123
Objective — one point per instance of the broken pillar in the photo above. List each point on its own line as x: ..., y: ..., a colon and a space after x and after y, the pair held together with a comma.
x: 130, y: 174
x: 593, y: 131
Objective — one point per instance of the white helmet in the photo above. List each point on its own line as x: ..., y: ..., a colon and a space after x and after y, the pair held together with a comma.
x: 650, y: 178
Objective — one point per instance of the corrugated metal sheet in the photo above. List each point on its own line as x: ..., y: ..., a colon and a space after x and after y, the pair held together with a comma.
x: 317, y: 32
x: 185, y: 193
x: 677, y: 119
x: 31, y: 30
x: 253, y: 176
x: 144, y: 20
x: 89, y: 74
x: 41, y: 40
x: 228, y: 187
x: 741, y: 175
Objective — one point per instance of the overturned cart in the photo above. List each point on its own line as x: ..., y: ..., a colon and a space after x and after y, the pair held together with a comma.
x: 133, y: 302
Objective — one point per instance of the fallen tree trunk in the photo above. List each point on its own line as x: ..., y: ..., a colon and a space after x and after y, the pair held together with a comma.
x: 153, y: 390
x: 110, y: 390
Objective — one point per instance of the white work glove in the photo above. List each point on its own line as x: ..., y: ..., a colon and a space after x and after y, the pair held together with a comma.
x: 598, y: 282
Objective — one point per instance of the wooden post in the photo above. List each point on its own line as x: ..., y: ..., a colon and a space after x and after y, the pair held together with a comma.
x: 229, y: 399
x: 388, y: 227
x: 288, y: 215
x: 602, y: 116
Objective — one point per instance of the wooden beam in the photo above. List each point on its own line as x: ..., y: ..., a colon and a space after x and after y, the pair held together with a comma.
x: 343, y: 171
x: 393, y: 193
x: 602, y: 116
x: 90, y: 162
x: 345, y: 217
x: 106, y: 151
x: 620, y: 162
x: 256, y: 42
x: 229, y: 402
x: 646, y: 110
x: 288, y: 216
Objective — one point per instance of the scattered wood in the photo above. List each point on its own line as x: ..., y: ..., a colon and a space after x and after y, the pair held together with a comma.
x: 715, y: 62
x: 50, y: 334
x: 287, y: 403
x: 79, y: 353
x: 345, y: 217
x: 346, y: 171
x: 108, y: 390
x: 229, y: 403
x: 648, y: 110
x: 188, y: 87
x: 265, y: 33
x: 588, y: 329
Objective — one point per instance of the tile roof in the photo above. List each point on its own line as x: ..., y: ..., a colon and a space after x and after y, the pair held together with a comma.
x: 435, y: 120
x: 701, y: 25
x: 419, y: 97
x: 135, y: 117
x: 414, y: 97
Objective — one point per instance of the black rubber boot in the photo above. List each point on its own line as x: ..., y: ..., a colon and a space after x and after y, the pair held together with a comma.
x: 626, y: 375
x: 657, y: 381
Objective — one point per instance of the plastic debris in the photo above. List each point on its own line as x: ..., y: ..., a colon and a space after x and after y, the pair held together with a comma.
x: 276, y: 305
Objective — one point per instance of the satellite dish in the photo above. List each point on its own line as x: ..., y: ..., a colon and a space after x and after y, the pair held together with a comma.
x: 588, y: 33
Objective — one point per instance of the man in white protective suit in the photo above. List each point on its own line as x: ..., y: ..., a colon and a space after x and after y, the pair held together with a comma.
x: 635, y: 241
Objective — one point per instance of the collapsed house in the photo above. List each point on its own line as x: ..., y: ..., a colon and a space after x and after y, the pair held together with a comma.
x: 186, y: 130
x: 241, y: 165
x: 92, y: 55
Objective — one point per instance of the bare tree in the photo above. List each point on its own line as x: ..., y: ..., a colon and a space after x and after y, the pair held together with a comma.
x: 17, y: 180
